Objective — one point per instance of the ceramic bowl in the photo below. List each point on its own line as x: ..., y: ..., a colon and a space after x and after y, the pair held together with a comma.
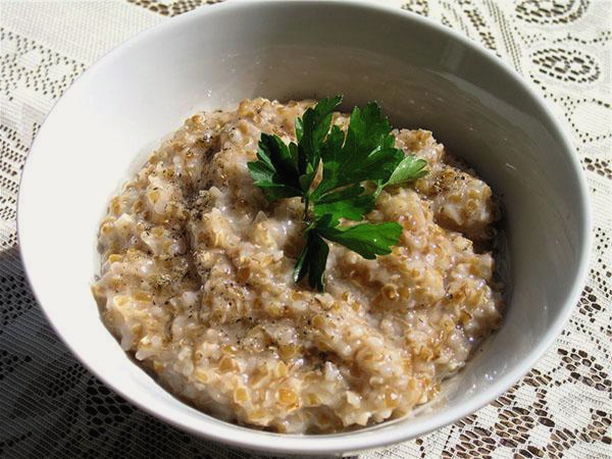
x: 423, y: 74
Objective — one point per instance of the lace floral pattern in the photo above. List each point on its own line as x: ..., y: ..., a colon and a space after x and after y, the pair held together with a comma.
x: 51, y: 405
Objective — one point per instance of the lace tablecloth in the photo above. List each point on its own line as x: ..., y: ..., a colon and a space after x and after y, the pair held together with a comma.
x: 51, y: 406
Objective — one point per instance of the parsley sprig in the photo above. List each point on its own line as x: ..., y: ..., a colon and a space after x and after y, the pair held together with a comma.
x: 353, y: 167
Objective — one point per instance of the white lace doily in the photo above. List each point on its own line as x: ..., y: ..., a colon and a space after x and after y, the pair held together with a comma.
x: 50, y: 406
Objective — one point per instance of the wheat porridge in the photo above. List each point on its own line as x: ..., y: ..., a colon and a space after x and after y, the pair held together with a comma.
x: 197, y: 282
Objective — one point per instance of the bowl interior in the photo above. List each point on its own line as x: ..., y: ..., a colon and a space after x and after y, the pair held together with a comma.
x: 423, y: 76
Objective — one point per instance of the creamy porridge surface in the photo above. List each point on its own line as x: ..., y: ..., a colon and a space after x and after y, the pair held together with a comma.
x: 196, y: 282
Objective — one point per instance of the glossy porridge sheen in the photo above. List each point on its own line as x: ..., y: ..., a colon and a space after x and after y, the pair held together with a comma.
x: 196, y: 282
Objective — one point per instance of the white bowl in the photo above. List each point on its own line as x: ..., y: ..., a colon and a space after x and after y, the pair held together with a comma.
x: 423, y: 74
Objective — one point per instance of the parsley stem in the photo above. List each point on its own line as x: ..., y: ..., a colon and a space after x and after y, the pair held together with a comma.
x: 306, y: 208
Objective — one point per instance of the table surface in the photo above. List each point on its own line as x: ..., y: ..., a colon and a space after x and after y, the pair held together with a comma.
x: 50, y: 405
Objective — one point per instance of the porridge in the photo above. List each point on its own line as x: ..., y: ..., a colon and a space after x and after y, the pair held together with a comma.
x: 197, y: 282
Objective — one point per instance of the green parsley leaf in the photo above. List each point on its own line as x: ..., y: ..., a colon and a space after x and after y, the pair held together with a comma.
x: 275, y: 171
x: 347, y: 203
x: 310, y: 131
x: 367, y: 239
x: 312, y: 261
x: 367, y: 153
x: 409, y: 169
x: 368, y: 131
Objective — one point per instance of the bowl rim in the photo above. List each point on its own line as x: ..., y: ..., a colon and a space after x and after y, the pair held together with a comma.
x: 345, y: 442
